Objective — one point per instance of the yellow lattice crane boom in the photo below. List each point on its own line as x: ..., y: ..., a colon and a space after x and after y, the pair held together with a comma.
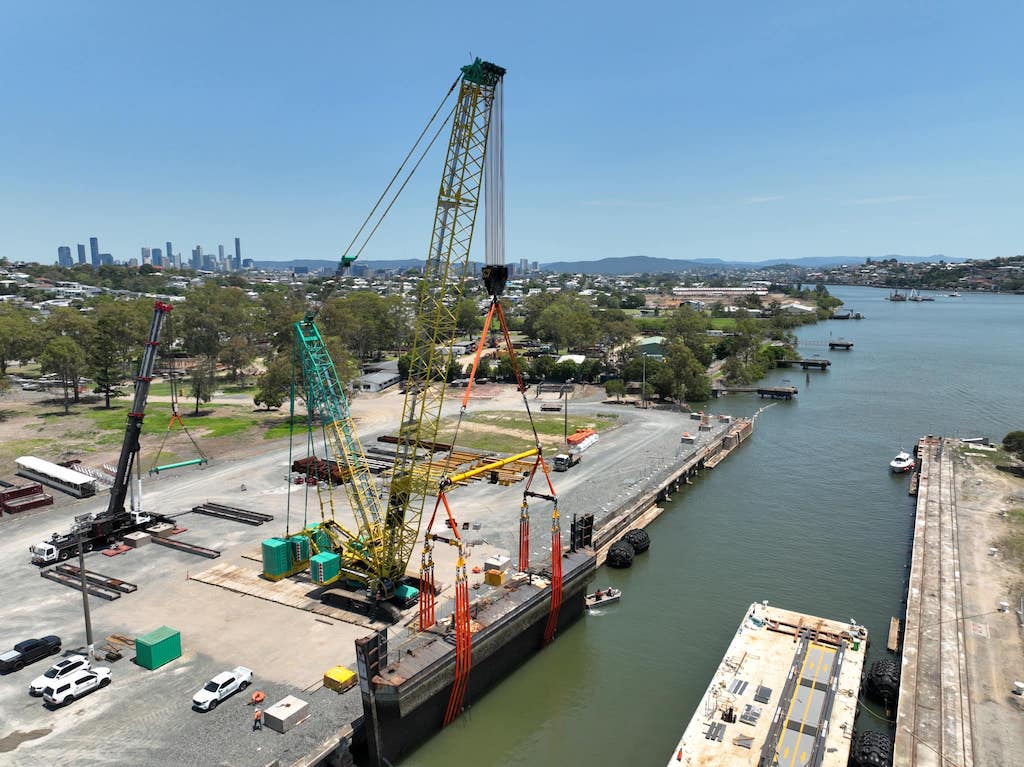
x: 442, y: 285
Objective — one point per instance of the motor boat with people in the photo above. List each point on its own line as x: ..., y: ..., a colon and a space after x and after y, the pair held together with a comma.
x: 602, y: 597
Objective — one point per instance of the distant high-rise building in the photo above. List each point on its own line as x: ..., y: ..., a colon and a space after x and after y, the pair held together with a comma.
x: 81, y: 253
x: 238, y: 254
x: 248, y: 263
x: 106, y: 258
x: 94, y: 251
x: 220, y: 256
x: 524, y: 266
x: 169, y: 253
x: 64, y: 256
x: 158, y: 257
x: 147, y: 255
x: 197, y: 257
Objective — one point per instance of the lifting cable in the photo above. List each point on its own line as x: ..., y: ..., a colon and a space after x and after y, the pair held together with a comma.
x: 175, y: 409
x: 401, y: 188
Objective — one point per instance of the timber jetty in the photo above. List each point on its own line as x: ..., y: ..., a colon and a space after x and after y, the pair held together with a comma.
x: 774, y: 392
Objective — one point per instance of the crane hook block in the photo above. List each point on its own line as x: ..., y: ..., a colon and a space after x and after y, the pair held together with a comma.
x: 494, y: 276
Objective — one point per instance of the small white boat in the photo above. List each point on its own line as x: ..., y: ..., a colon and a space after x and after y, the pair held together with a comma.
x: 903, y: 461
x: 954, y: 294
x: 602, y: 597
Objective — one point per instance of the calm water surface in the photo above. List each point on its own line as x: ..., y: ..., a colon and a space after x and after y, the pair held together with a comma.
x: 805, y: 515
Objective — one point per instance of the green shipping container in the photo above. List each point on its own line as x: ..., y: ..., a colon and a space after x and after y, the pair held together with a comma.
x: 276, y: 557
x: 300, y: 549
x: 158, y: 647
x: 324, y: 566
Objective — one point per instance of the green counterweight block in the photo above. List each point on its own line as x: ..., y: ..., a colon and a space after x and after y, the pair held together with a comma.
x: 324, y: 567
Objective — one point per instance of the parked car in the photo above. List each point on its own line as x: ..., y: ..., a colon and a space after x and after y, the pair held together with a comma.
x: 225, y: 684
x: 58, y: 670
x: 74, y: 686
x: 28, y: 652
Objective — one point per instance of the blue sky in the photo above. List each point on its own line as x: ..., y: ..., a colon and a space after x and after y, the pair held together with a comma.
x: 739, y: 131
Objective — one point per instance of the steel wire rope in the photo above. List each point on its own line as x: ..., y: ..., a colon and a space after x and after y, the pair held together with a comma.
x: 401, y: 188
x: 291, y: 441
x: 402, y: 165
x: 394, y: 199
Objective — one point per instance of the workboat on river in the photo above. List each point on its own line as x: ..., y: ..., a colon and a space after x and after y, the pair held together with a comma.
x: 903, y: 461
x: 602, y: 597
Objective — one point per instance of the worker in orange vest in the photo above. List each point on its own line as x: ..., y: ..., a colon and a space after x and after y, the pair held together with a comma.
x: 257, y: 720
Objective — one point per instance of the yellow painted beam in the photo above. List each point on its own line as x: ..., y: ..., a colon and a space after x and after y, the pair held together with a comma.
x: 491, y: 466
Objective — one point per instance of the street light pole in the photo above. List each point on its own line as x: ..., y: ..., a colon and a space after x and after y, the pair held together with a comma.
x: 85, y: 593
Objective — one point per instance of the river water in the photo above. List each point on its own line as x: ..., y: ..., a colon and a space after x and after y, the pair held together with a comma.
x: 805, y: 515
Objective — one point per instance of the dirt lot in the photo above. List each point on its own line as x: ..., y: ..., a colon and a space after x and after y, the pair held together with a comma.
x: 990, y: 513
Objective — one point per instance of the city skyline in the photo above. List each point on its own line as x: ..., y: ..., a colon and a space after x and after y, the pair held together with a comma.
x: 844, y: 130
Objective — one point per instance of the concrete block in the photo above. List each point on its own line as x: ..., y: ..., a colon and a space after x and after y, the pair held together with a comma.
x: 497, y: 562
x: 162, y: 529
x: 494, y: 577
x: 137, y: 539
x: 285, y: 714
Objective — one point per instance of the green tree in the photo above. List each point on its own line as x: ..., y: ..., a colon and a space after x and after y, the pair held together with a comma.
x: 18, y: 338
x: 467, y: 316
x: 615, y: 388
x: 203, y: 381
x: 71, y: 323
x: 237, y: 352
x: 568, y: 323
x: 65, y: 358
x: 273, y: 386
x: 120, y: 331
x: 1014, y: 443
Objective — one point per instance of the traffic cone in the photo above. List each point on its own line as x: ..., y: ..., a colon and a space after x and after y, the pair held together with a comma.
x: 679, y: 755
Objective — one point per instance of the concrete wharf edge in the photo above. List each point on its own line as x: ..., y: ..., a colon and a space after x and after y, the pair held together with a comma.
x: 934, y: 723
x: 410, y: 696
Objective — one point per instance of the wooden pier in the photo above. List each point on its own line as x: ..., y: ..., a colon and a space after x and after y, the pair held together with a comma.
x: 775, y: 392
x: 820, y: 364
x: 934, y: 725
x: 843, y: 345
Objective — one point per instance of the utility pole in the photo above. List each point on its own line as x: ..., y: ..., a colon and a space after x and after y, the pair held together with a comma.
x: 81, y: 524
x: 565, y: 416
x: 643, y: 384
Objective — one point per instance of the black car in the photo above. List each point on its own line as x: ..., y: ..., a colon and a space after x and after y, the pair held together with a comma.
x: 28, y: 652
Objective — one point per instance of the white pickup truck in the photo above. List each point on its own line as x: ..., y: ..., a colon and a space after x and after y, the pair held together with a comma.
x: 225, y: 684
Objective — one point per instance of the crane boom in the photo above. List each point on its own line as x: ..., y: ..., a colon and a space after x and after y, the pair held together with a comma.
x: 326, y: 397
x: 435, y: 329
x: 133, y: 429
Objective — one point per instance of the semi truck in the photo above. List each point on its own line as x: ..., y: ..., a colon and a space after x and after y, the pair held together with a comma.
x: 101, y: 528
x: 565, y: 461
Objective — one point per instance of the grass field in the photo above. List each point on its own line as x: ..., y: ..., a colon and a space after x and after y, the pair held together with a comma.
x: 550, y: 425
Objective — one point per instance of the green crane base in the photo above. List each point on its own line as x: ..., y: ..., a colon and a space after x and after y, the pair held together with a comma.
x: 178, y: 465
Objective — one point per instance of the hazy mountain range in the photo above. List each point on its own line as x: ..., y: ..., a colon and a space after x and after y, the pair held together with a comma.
x: 625, y: 264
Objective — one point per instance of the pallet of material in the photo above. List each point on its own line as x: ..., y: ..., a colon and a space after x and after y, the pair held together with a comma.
x: 392, y: 439
x: 20, y: 491
x: 25, y: 503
